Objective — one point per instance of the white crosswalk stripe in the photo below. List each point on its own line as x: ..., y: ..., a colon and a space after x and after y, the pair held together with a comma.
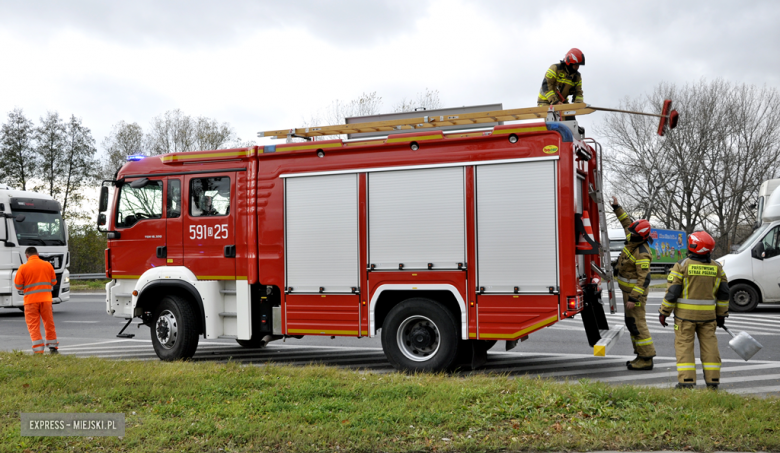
x: 737, y: 376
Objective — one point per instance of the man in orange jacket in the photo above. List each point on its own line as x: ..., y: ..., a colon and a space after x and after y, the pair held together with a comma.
x: 36, y: 278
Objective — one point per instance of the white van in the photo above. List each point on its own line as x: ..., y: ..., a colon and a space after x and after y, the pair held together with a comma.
x: 753, y: 269
x: 617, y: 240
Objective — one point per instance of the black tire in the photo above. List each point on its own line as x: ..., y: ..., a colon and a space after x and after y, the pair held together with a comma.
x: 743, y: 298
x: 254, y: 343
x: 174, y: 329
x: 434, y: 328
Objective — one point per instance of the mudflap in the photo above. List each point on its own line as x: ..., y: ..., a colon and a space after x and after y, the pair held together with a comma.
x: 478, y: 355
x: 593, y: 317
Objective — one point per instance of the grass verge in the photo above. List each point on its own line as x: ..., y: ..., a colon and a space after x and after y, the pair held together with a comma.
x: 189, y: 406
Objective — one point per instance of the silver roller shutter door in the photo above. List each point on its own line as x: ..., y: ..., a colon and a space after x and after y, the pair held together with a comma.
x: 322, y: 233
x: 517, y: 227
x: 417, y: 217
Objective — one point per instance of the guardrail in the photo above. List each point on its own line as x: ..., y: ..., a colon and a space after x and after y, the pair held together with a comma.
x: 98, y: 276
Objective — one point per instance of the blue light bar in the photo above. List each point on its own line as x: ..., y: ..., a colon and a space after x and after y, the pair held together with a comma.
x: 135, y: 157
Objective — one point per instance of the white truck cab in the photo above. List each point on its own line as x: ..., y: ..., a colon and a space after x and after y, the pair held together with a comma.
x: 617, y: 240
x: 31, y: 219
x: 753, y: 269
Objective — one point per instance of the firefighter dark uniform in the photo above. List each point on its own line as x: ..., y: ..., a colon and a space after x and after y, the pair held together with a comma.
x: 698, y: 295
x: 633, y: 277
x: 36, y: 278
x: 564, y: 79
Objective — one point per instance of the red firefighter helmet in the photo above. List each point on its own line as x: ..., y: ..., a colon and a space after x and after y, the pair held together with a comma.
x: 574, y: 56
x: 640, y: 228
x: 700, y: 243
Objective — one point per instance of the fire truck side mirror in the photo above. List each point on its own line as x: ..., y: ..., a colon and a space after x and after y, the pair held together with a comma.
x: 103, y: 199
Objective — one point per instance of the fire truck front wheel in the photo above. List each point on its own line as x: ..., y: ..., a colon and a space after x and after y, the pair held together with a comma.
x: 174, y: 329
x: 420, y: 335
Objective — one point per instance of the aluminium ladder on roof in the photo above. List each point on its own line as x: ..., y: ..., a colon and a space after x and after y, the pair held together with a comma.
x: 427, y: 122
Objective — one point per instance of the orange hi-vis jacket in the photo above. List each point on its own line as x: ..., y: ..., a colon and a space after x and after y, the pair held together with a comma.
x: 36, y: 278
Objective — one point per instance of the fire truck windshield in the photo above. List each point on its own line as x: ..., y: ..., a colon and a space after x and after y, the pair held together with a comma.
x: 40, y: 228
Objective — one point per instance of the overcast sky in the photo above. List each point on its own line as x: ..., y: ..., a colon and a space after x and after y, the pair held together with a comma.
x: 262, y: 65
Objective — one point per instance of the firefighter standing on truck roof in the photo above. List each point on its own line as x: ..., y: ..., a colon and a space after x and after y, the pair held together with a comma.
x: 36, y: 278
x: 563, y: 79
x: 633, y: 276
x: 697, y: 292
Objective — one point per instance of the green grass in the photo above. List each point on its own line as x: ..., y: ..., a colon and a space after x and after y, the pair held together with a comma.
x: 88, y: 285
x: 188, y: 406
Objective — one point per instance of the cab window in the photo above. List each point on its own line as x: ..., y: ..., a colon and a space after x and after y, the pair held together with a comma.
x: 772, y: 243
x: 210, y: 196
x: 173, y: 206
x: 139, y: 204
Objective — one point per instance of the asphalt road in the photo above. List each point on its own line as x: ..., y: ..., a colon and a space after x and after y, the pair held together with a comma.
x: 559, y: 351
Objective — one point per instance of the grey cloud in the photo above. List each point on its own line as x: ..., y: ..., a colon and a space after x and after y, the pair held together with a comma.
x: 204, y: 22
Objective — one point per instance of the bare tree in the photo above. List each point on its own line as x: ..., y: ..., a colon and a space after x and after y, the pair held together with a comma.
x: 50, y: 142
x: 428, y: 100
x: 171, y: 132
x: 79, y: 166
x: 338, y: 111
x: 703, y: 173
x: 175, y: 132
x: 18, y: 159
x: 125, y: 139
x: 210, y: 134
x: 749, y: 154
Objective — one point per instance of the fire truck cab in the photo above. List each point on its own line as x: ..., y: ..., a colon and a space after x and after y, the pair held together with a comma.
x: 440, y: 243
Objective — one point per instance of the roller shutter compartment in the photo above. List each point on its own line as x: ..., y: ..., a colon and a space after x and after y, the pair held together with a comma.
x: 321, y: 232
x: 416, y: 218
x: 517, y: 227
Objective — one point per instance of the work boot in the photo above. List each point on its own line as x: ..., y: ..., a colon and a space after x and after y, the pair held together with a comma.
x: 711, y: 386
x: 685, y: 386
x: 641, y: 364
x: 53, y: 351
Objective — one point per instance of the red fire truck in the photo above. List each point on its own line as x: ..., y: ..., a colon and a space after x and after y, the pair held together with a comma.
x: 442, y: 243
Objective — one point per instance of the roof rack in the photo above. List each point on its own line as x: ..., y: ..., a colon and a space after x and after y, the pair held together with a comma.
x: 551, y: 113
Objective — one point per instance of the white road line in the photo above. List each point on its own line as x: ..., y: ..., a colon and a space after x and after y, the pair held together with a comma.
x: 564, y: 365
x: 107, y: 342
x: 736, y: 380
x: 673, y: 373
x: 749, y: 390
x: 81, y: 322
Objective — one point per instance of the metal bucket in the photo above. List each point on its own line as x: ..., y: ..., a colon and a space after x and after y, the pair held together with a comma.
x: 743, y: 344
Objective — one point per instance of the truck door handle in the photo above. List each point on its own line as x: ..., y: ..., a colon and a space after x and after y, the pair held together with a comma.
x: 230, y: 251
x: 162, y: 252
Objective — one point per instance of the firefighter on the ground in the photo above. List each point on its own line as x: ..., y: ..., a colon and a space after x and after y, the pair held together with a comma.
x: 633, y: 276
x: 36, y: 279
x: 698, y: 294
x: 563, y: 80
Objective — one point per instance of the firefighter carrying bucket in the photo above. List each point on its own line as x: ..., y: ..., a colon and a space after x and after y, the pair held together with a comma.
x: 633, y: 277
x: 697, y: 292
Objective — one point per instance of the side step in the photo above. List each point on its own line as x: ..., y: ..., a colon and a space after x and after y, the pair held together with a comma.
x: 608, y: 339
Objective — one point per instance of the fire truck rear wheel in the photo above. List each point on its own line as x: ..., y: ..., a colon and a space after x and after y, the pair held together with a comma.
x: 420, y: 335
x: 174, y: 329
